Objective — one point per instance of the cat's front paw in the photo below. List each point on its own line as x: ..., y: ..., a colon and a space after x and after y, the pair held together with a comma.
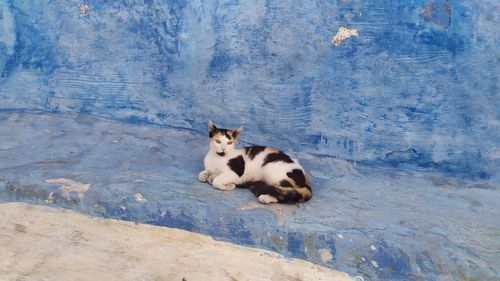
x: 203, y: 176
x: 211, y: 178
x: 225, y: 181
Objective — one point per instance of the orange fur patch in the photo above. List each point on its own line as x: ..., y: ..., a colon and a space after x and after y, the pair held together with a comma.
x: 306, y: 194
x: 271, y: 150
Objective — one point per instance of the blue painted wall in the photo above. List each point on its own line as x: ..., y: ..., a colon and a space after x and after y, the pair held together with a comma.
x: 417, y: 89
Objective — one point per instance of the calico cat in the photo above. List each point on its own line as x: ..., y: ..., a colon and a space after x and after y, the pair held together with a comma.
x: 270, y: 174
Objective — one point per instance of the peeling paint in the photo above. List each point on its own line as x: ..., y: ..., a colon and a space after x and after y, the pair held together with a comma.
x: 438, y: 12
x: 139, y: 198
x: 84, y: 9
x: 325, y: 255
x: 100, y: 208
x: 278, y: 242
x: 309, y: 246
x: 343, y: 34
x: 50, y: 198
x: 68, y: 186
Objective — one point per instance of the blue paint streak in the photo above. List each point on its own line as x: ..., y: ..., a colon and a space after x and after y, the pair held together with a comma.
x: 393, y: 263
x: 296, y: 245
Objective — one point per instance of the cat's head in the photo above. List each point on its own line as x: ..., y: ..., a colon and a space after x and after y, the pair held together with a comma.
x: 222, y: 140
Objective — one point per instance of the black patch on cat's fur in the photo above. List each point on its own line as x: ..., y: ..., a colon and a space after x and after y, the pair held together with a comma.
x: 275, y: 157
x: 246, y: 185
x: 237, y: 164
x: 226, y: 133
x: 252, y: 151
x: 259, y: 188
x: 235, y: 133
x: 212, y: 131
x: 285, y: 183
x: 298, y: 177
x: 289, y: 196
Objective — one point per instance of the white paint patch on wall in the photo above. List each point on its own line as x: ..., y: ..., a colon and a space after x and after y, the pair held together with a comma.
x: 343, y: 34
x: 69, y: 185
x: 139, y: 198
x: 7, y: 32
x: 84, y: 9
x: 88, y: 248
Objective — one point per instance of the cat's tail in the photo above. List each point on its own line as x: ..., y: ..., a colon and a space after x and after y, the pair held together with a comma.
x: 294, y: 189
x: 277, y: 194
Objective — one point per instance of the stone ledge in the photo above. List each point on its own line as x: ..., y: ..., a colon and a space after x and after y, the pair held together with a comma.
x: 41, y: 243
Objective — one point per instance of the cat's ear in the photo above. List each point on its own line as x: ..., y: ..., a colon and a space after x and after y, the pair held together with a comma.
x: 211, y: 127
x: 236, y: 131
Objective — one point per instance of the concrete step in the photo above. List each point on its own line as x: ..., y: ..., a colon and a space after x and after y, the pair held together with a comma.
x: 378, y: 223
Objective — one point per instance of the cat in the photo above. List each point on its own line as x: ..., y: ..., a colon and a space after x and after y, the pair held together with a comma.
x: 270, y: 174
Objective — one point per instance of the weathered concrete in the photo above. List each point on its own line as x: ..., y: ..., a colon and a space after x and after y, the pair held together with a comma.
x: 382, y: 224
x: 53, y: 244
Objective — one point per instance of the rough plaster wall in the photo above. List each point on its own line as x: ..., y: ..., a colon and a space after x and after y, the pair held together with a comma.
x: 418, y: 87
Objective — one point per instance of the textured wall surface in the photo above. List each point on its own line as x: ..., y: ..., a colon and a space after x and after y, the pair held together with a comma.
x: 103, y: 109
x: 418, y: 86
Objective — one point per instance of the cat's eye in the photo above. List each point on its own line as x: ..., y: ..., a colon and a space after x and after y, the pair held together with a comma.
x: 217, y: 141
x: 230, y: 142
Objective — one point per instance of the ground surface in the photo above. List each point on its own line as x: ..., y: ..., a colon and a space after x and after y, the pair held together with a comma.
x: 381, y: 224
x: 46, y: 244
